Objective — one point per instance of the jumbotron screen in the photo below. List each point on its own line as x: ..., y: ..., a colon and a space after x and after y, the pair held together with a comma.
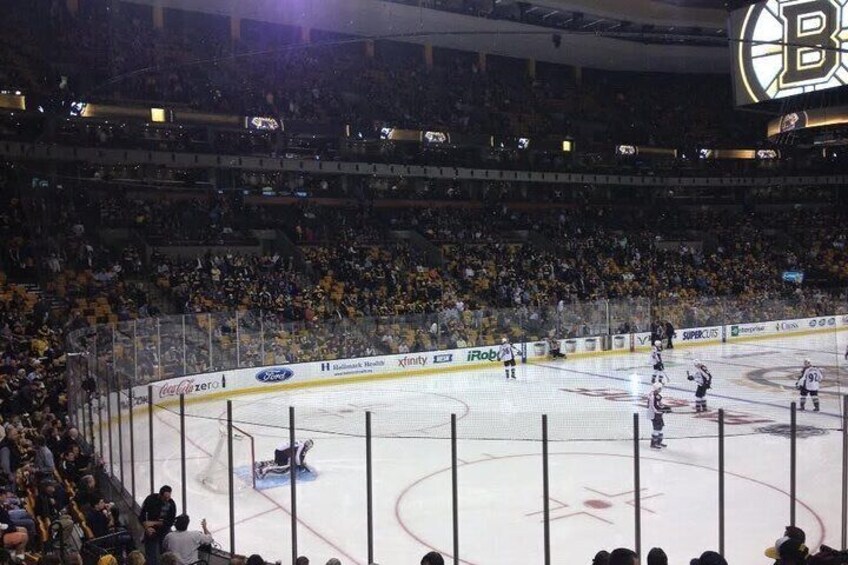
x: 788, y: 47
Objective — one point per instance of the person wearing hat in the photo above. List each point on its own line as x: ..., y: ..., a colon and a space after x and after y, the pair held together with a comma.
x: 788, y: 551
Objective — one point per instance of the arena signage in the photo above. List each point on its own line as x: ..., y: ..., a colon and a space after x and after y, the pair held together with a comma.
x: 747, y: 329
x: 788, y: 47
x: 274, y: 375
x: 701, y: 334
x: 447, y: 360
x: 191, y: 385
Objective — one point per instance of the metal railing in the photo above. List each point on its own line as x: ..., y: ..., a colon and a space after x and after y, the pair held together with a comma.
x: 108, y: 361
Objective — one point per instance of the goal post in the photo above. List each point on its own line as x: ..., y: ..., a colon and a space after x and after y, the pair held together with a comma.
x: 215, y: 475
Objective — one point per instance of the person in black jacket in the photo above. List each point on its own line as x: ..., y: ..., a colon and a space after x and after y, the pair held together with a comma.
x: 98, y: 518
x: 158, y: 513
x: 10, y: 455
x: 669, y: 334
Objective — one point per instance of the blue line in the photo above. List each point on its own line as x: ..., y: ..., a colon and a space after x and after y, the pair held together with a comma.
x: 737, y: 399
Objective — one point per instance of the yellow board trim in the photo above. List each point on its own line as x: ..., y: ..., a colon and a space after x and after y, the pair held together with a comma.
x: 370, y: 377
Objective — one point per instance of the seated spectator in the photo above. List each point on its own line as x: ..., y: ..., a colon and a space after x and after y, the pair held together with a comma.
x: 433, y: 558
x: 709, y: 558
x: 623, y: 556
x: 601, y: 558
x: 99, y: 518
x: 657, y: 557
x: 184, y: 543
x: 19, y: 516
x: 87, y: 492
x: 135, y: 558
x: 169, y: 558
x: 46, y: 502
x: 69, y: 468
x: 786, y: 551
x: 15, y: 539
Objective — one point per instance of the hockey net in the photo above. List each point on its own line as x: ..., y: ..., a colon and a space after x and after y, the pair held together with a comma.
x: 215, y: 476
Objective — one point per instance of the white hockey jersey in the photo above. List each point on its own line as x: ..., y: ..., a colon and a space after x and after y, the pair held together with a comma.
x: 810, y: 379
x: 507, y: 352
x: 655, y: 405
x: 656, y: 357
x: 702, y: 376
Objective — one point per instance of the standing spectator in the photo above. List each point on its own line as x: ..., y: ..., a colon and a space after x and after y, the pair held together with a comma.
x: 669, y: 334
x: 185, y: 543
x: 157, y: 515
x: 302, y: 560
x: 10, y: 455
x: 44, y: 462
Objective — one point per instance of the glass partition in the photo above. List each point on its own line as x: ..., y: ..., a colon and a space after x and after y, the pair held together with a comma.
x: 726, y: 478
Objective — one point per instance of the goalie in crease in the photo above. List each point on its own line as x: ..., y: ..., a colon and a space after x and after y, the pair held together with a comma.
x: 284, y: 457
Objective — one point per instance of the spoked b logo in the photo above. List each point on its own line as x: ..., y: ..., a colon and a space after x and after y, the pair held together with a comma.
x: 790, y: 47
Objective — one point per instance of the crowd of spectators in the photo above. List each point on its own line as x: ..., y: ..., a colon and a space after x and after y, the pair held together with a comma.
x: 478, y: 265
x: 193, y: 62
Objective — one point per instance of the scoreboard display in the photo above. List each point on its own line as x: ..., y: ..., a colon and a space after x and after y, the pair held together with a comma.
x: 784, y: 48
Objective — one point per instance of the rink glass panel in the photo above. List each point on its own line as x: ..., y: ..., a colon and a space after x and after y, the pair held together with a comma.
x: 593, y: 414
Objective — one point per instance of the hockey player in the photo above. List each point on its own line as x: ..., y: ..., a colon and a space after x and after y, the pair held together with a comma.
x: 704, y: 380
x: 656, y: 409
x: 809, y: 383
x: 284, y: 457
x: 658, y: 376
x: 554, y: 349
x: 507, y: 354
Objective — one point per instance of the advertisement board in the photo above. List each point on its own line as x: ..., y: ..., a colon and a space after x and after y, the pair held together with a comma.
x: 699, y: 335
x: 434, y: 362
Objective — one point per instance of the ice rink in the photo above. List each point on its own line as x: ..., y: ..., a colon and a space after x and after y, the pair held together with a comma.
x: 589, y: 402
